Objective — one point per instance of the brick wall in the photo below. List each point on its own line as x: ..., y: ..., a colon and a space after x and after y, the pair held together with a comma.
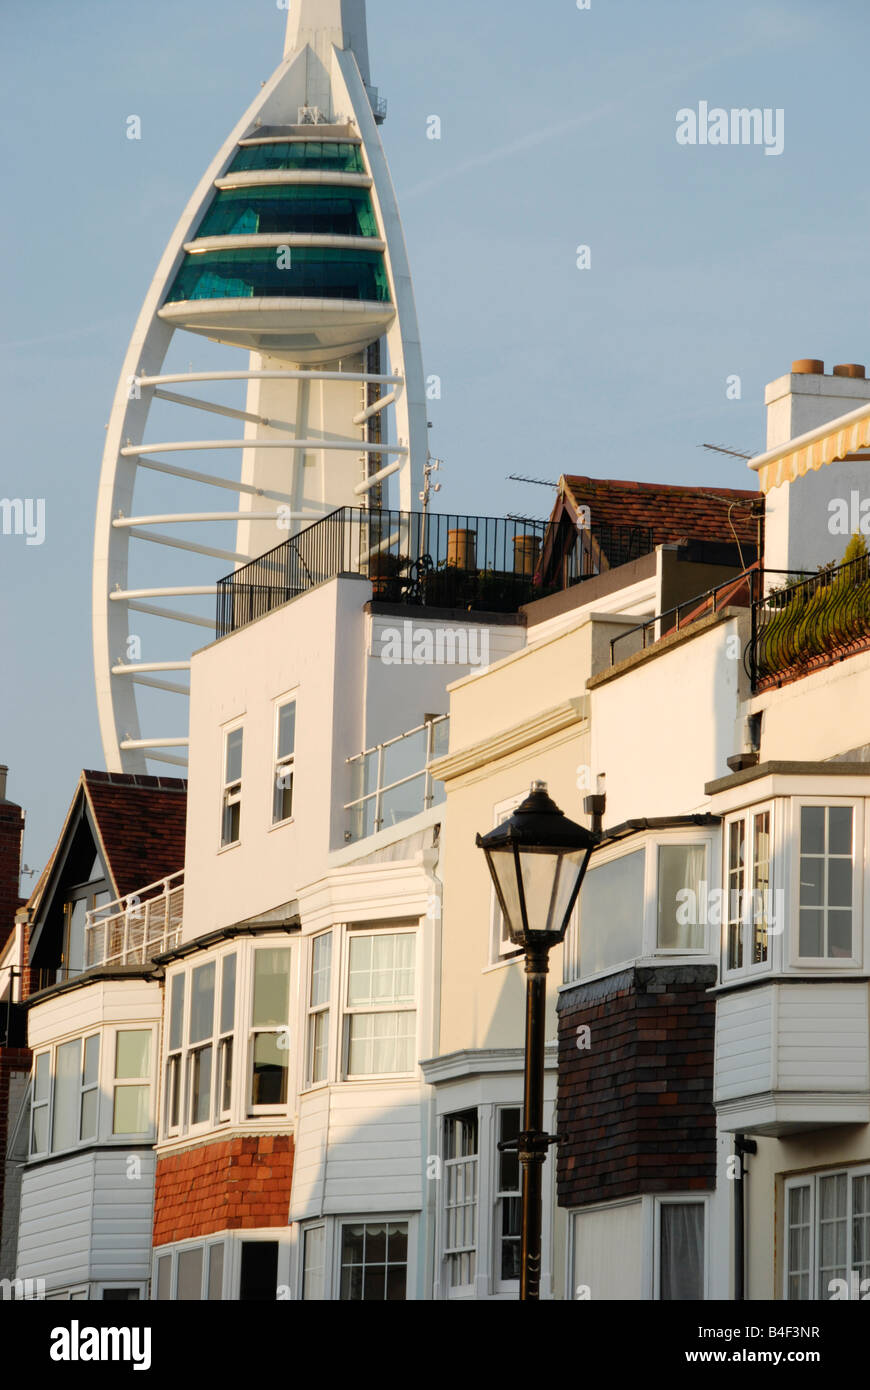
x: 11, y: 831
x: 236, y: 1184
x: 637, y: 1106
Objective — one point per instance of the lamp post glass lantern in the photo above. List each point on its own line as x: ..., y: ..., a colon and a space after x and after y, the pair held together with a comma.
x: 538, y: 859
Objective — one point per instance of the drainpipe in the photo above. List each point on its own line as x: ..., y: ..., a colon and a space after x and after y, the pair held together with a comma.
x: 742, y: 1147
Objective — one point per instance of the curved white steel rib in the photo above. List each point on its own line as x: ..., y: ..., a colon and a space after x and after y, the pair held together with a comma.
x: 325, y: 67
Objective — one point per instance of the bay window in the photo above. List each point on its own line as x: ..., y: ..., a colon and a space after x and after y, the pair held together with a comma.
x: 269, y: 1036
x: 374, y: 1261
x: 200, y: 1041
x: 651, y: 899
x: 68, y: 1083
x: 314, y: 1264
x: 460, y: 1199
x: 747, y: 914
x: 172, y: 1118
x: 612, y: 907
x: 39, y: 1115
x: 827, y: 1245
x: 225, y: 1039
x: 319, y: 994
x: 131, y: 1109
x: 508, y: 1220
x: 380, y: 1024
x: 827, y: 882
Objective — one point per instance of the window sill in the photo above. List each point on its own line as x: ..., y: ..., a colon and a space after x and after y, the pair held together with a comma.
x: 281, y: 825
x: 226, y: 849
x: 500, y: 964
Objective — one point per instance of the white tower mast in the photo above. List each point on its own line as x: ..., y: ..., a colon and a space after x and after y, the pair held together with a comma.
x: 291, y: 248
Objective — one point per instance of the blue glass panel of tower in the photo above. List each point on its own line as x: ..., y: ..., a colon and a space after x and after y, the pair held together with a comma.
x: 339, y: 156
x: 313, y: 272
x: 290, y: 208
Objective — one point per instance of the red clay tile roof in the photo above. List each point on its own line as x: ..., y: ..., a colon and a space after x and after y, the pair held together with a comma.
x: 141, y: 823
x: 673, y: 513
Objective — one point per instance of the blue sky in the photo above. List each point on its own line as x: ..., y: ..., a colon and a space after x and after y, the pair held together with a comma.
x: 558, y: 129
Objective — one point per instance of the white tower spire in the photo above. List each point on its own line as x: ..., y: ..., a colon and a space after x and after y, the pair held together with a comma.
x: 326, y: 24
x: 291, y: 248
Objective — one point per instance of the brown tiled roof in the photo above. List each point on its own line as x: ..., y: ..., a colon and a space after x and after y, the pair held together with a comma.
x: 140, y: 822
x: 673, y: 513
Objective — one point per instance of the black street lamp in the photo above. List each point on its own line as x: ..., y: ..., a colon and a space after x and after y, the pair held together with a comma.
x: 538, y: 860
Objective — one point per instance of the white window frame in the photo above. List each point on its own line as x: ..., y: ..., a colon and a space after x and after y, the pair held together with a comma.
x: 811, y: 1181
x: 231, y: 791
x: 648, y: 843
x: 305, y: 1231
x: 282, y: 765
x: 501, y: 949
x: 393, y: 1218
x: 281, y: 1030
x: 192, y: 1049
x: 80, y: 1091
x: 748, y: 815
x: 678, y: 1199
x: 172, y: 1252
x: 825, y: 964
x: 450, y: 1166
x: 317, y: 1011
x: 40, y: 1105
x: 173, y: 1062
x: 146, y: 1082
x: 502, y: 1286
x: 347, y: 1011
x: 225, y: 1039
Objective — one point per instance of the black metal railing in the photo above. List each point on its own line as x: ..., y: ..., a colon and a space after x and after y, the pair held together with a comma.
x: 739, y: 591
x: 810, y: 622
x: 485, y: 564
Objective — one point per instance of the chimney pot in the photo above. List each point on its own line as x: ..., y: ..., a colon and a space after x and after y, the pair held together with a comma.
x: 4, y: 772
x: 808, y: 366
x: 851, y: 369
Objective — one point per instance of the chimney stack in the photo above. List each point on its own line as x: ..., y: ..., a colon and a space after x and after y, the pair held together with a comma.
x: 806, y: 398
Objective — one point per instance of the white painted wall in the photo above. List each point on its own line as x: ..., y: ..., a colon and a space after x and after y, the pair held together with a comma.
x: 668, y: 726
x: 318, y: 650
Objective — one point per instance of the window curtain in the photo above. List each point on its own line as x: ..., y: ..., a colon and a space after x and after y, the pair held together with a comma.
x: 682, y: 869
x: 682, y: 1252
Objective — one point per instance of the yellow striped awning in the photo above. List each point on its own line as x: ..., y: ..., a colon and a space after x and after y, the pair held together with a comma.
x: 809, y: 452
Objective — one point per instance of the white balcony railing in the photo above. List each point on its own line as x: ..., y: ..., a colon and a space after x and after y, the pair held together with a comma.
x: 393, y: 783
x: 136, y: 928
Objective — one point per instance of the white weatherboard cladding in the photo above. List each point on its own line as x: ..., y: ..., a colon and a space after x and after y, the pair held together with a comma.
x: 744, y: 1034
x: 83, y: 1218
x: 375, y: 1156
x: 793, y: 1055
x: 78, y: 1011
